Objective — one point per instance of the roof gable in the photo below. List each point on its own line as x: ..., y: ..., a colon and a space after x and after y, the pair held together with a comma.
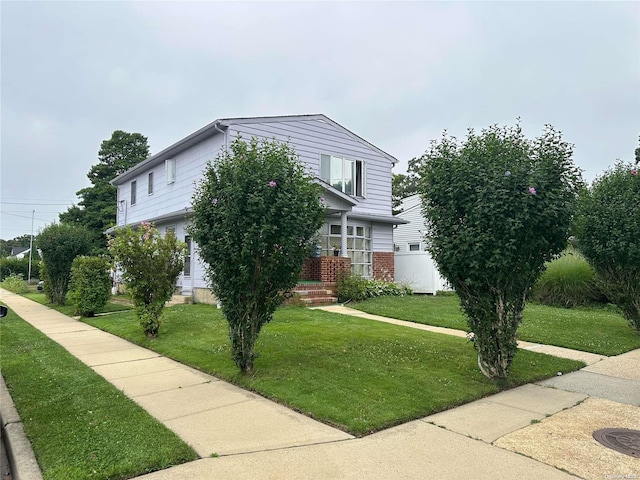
x: 220, y: 126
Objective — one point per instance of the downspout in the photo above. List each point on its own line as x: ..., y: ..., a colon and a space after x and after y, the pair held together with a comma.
x: 223, y: 132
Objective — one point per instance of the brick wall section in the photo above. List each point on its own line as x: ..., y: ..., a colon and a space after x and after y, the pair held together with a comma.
x: 325, y: 269
x: 311, y: 269
x: 383, y: 266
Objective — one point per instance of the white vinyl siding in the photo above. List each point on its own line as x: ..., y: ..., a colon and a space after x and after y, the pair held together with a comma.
x: 312, y: 137
x: 410, y: 233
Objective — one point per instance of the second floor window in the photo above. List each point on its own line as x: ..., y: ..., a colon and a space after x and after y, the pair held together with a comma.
x: 344, y: 174
x: 133, y: 192
x: 150, y: 187
x: 170, y: 168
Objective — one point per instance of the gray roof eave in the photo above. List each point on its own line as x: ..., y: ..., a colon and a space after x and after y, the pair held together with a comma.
x: 188, y: 141
x: 377, y: 218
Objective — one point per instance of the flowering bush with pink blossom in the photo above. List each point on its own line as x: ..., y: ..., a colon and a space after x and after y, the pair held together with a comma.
x: 255, y: 213
x: 150, y: 267
x: 497, y: 207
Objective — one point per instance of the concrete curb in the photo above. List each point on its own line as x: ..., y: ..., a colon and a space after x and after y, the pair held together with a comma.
x: 22, y: 460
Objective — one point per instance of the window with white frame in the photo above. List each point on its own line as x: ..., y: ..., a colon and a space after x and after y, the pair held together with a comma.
x: 170, y: 168
x: 414, y: 247
x: 358, y: 246
x: 344, y: 174
x: 133, y: 192
x: 150, y: 183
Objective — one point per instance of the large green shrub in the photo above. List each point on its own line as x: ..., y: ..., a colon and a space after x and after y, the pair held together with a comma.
x: 14, y: 283
x: 60, y: 244
x: 569, y: 281
x: 497, y: 207
x: 150, y: 267
x: 254, y: 215
x: 609, y: 236
x: 356, y: 288
x: 89, y: 289
x: 12, y: 265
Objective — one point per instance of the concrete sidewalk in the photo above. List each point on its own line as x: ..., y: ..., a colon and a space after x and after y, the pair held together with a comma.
x: 477, y: 440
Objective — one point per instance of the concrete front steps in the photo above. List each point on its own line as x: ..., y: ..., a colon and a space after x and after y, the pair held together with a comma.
x: 177, y: 299
x: 314, y: 294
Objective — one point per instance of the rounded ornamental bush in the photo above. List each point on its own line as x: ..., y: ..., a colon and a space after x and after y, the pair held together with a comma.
x: 497, y: 207
x: 90, y: 285
x: 60, y: 244
x: 609, y: 236
x: 568, y: 281
x: 255, y: 214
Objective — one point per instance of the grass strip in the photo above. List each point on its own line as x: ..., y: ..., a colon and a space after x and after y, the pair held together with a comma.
x: 80, y: 425
x: 601, y: 330
x: 69, y: 309
x: 356, y: 374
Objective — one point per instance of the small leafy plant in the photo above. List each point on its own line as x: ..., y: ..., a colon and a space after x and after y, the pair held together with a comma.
x: 151, y: 265
x: 14, y: 283
x: 356, y: 288
x: 89, y: 289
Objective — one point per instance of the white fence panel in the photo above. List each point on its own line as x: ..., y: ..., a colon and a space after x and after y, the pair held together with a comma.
x: 418, y: 270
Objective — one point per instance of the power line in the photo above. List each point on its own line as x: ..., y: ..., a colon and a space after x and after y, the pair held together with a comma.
x: 27, y: 211
x: 24, y: 216
x: 42, y: 204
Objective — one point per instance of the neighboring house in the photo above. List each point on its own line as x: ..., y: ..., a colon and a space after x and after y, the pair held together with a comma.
x: 413, y: 264
x: 19, y: 252
x: 355, y: 176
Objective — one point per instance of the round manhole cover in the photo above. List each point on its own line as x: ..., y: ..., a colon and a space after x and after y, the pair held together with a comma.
x: 620, y: 439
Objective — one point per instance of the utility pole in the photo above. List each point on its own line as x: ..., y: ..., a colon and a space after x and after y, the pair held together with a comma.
x: 31, y: 246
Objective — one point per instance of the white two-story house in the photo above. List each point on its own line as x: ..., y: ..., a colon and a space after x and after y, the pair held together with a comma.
x: 355, y: 175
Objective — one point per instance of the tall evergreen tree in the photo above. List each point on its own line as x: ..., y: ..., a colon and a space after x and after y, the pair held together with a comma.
x: 96, y: 209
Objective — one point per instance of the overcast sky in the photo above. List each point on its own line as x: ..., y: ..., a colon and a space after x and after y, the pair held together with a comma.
x: 395, y: 73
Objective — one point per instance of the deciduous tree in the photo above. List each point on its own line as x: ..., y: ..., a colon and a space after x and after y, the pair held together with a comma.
x: 60, y: 245
x: 255, y: 212
x: 609, y: 236
x: 498, y: 206
x: 402, y: 186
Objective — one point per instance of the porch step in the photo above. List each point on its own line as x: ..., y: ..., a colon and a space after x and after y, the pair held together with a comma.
x: 316, y: 293
x: 317, y: 301
x: 179, y: 300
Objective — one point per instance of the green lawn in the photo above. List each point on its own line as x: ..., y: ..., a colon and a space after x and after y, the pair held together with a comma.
x: 69, y: 310
x: 357, y: 374
x: 80, y: 426
x: 591, y: 329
